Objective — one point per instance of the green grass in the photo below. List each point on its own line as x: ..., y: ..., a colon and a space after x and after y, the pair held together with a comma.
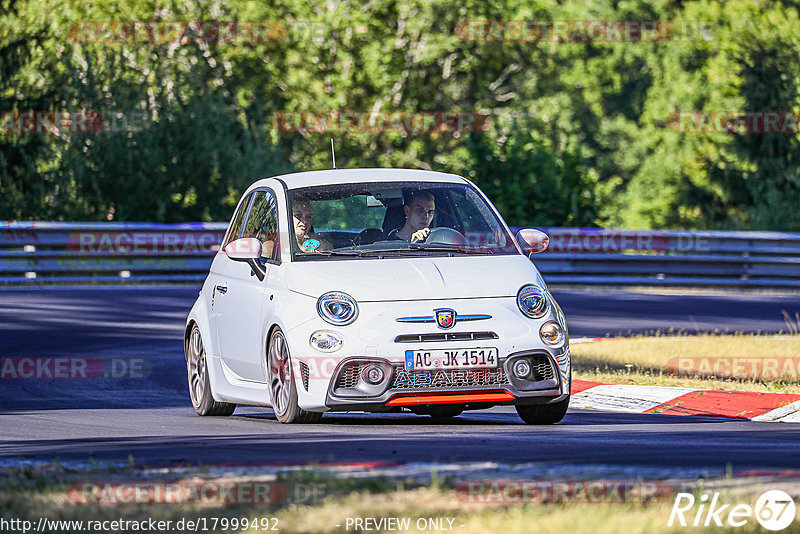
x: 652, y: 361
x: 35, y: 492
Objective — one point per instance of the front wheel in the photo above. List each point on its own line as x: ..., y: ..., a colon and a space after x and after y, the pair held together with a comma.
x: 282, y: 387
x: 543, y: 414
x: 199, y: 384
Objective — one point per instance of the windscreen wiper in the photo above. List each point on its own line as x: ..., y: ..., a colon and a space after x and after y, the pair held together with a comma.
x: 447, y: 248
x: 409, y: 248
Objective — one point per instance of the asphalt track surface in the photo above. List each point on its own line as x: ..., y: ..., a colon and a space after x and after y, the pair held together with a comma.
x: 149, y: 417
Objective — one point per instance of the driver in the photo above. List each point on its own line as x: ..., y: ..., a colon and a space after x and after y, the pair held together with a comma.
x: 419, y: 208
x: 302, y: 216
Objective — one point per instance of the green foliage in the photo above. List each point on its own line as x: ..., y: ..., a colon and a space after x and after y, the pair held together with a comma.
x: 578, y: 133
x: 531, y: 183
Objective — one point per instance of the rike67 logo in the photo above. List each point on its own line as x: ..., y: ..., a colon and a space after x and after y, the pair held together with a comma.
x: 774, y: 510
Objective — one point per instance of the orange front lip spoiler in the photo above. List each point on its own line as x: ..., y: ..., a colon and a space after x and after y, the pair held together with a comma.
x: 451, y: 398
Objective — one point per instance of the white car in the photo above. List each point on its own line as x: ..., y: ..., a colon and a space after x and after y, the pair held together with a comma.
x: 376, y: 290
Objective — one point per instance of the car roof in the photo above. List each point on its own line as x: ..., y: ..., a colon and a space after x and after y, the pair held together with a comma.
x: 347, y: 176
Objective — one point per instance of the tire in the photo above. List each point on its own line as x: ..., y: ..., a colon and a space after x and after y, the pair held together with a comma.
x: 543, y: 414
x: 282, y: 388
x: 199, y: 384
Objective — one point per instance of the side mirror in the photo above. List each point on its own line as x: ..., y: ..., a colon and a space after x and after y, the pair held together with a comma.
x: 248, y: 250
x: 532, y: 241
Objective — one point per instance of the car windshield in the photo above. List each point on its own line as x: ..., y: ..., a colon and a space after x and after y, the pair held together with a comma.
x: 388, y: 219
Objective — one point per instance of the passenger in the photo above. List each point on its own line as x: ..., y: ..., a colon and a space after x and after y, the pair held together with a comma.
x: 303, y: 214
x: 419, y: 208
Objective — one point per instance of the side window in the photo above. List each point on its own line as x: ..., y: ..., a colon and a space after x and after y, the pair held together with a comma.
x: 262, y: 223
x: 236, y: 224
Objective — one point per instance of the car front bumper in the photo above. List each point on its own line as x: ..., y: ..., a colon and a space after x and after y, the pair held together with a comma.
x: 473, y: 389
x: 373, y: 340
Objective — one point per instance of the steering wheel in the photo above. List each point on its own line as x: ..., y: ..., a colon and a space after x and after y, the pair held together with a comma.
x: 446, y: 236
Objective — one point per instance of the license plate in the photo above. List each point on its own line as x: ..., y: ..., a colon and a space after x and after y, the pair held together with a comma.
x: 481, y: 358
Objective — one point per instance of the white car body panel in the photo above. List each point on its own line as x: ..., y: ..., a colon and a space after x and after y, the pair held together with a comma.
x: 347, y: 176
x: 242, y: 334
x: 395, y: 279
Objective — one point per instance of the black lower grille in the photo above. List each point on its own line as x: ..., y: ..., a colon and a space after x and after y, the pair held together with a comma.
x: 304, y: 374
x: 350, y: 375
x: 449, y: 378
x: 542, y: 368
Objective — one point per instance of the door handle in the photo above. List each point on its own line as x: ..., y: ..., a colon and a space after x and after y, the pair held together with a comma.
x: 222, y: 289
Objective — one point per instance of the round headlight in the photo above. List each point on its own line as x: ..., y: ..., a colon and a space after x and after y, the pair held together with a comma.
x: 326, y: 341
x: 551, y: 333
x: 337, y: 308
x: 532, y: 301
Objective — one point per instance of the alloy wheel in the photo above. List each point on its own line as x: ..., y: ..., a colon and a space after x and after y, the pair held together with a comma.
x: 280, y: 373
x: 197, y: 366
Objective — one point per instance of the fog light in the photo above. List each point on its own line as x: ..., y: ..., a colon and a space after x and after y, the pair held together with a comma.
x: 521, y: 368
x: 325, y: 341
x: 374, y: 375
x: 551, y: 333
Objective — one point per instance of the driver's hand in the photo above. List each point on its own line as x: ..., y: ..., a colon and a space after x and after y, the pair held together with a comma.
x: 420, y: 235
x: 499, y: 238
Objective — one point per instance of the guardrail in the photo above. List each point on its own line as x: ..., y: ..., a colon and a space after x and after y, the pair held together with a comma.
x: 50, y: 253
x: 39, y: 253
x: 671, y: 258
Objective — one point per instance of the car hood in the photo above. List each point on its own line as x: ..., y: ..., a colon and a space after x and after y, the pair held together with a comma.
x: 392, y: 279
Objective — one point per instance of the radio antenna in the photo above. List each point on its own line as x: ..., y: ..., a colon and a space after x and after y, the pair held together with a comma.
x: 333, y: 154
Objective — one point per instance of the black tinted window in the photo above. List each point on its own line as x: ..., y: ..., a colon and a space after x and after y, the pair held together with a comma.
x: 262, y: 222
x: 236, y: 224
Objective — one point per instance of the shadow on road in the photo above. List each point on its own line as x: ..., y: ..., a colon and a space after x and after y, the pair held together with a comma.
x: 584, y: 437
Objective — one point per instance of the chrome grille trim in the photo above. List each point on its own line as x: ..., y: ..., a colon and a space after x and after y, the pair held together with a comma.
x: 445, y: 336
x: 432, y: 319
